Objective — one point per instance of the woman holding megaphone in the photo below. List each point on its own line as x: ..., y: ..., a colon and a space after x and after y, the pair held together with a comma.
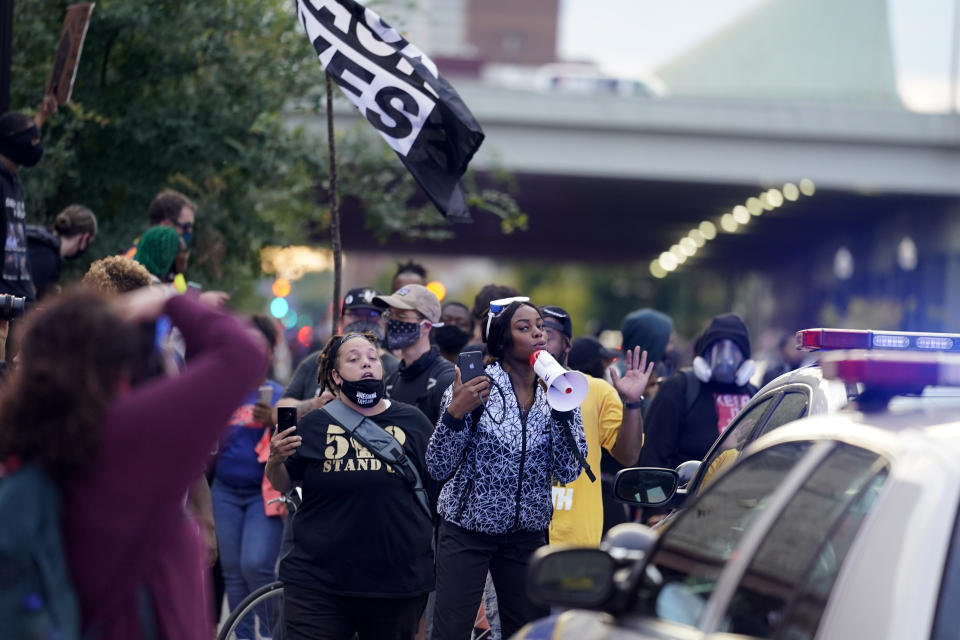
x: 498, y: 447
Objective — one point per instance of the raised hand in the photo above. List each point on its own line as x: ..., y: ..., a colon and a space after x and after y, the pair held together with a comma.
x: 634, y: 381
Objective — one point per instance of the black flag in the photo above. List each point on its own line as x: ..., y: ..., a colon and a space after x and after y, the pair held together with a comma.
x: 399, y: 91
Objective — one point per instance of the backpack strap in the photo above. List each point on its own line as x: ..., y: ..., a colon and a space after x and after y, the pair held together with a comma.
x: 381, y: 444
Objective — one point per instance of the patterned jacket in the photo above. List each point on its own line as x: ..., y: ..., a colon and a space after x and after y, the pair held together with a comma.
x: 499, y: 476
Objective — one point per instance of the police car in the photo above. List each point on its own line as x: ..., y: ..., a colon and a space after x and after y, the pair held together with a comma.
x: 841, y: 525
x: 800, y: 393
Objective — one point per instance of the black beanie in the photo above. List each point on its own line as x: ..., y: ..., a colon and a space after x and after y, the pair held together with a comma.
x: 727, y: 326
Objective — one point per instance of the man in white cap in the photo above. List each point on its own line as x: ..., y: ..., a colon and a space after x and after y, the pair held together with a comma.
x: 411, y: 312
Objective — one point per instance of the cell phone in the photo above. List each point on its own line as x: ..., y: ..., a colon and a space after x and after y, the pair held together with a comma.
x: 286, y: 418
x: 471, y: 365
x: 265, y: 395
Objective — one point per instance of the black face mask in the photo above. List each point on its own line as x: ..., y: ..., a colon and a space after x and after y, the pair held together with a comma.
x: 363, y: 393
x: 401, y: 334
x: 451, y: 339
x: 23, y: 148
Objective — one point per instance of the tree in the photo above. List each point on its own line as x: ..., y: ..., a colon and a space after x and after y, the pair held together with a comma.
x: 191, y: 95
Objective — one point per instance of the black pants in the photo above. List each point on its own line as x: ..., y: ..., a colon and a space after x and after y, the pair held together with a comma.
x: 314, y: 615
x: 463, y: 559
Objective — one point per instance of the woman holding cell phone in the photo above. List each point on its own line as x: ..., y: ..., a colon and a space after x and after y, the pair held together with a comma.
x: 499, y: 447
x: 361, y: 560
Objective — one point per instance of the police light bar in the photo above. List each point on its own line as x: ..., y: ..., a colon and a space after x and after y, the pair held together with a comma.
x: 828, y: 339
x: 896, y: 371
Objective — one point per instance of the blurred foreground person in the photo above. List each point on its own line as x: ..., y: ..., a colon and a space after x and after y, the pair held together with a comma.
x: 361, y: 560
x: 122, y: 456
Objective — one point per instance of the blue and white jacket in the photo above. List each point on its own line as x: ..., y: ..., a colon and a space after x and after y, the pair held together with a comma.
x: 502, y: 474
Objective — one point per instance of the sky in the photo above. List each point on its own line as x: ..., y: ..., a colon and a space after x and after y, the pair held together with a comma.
x: 636, y: 36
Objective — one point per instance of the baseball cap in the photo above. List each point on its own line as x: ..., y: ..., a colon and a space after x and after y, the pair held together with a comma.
x: 586, y: 350
x: 416, y: 297
x: 359, y: 298
x: 557, y: 319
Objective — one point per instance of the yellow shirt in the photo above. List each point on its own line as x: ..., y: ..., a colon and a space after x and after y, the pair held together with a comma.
x: 578, y: 506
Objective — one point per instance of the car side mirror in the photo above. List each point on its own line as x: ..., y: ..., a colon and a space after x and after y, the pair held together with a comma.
x: 578, y: 578
x: 647, y: 487
x: 686, y: 471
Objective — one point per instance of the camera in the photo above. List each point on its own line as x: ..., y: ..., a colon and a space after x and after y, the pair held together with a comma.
x: 11, y: 306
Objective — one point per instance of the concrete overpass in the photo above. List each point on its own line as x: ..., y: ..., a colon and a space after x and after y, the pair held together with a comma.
x: 611, y: 178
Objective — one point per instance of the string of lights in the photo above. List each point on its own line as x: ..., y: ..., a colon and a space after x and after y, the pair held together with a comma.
x: 730, y: 222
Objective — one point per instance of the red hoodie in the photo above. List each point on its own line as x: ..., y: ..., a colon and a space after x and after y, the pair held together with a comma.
x: 124, y: 521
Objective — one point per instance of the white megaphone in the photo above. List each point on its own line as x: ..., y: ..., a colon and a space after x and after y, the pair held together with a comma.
x: 565, y: 389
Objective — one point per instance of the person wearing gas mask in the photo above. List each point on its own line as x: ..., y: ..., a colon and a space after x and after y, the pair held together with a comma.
x: 358, y: 315
x: 20, y: 146
x: 694, y: 406
x: 411, y: 312
x: 74, y: 229
x: 456, y: 331
x: 361, y: 560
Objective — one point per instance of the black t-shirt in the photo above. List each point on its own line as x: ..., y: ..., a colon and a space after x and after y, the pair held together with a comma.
x: 359, y: 531
x: 14, y: 268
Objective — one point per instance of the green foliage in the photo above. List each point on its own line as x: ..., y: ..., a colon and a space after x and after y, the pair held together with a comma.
x: 189, y: 95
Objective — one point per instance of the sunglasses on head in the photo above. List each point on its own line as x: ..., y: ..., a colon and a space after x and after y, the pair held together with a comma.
x: 497, y: 307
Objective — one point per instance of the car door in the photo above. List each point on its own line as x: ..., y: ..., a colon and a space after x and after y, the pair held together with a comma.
x: 765, y: 413
x: 757, y: 555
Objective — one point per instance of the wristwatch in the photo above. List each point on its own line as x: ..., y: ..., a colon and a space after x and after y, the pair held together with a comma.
x: 634, y: 405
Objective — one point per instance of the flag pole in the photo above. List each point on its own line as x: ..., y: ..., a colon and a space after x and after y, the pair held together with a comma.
x: 334, y: 212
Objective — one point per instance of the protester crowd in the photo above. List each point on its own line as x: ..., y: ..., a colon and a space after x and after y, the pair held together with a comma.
x: 140, y: 447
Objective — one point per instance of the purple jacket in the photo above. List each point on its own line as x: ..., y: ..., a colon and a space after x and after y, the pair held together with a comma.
x: 124, y: 521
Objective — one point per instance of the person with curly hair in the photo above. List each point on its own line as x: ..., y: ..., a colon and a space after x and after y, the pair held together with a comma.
x: 498, y: 447
x: 361, y: 561
x: 116, y: 274
x: 123, y: 455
